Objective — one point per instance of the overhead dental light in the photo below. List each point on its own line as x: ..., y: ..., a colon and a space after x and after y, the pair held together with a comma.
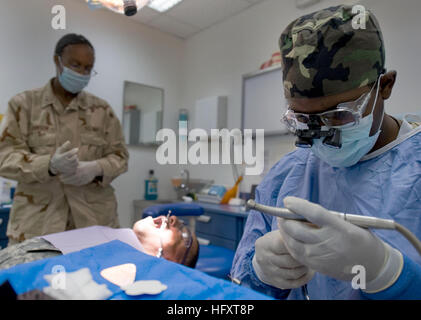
x: 127, y: 7
x: 163, y: 5
x: 131, y: 7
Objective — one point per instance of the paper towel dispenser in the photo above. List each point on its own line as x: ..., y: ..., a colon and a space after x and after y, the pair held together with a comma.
x: 211, y: 113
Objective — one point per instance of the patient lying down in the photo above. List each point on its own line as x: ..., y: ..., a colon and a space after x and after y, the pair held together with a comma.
x: 161, y: 237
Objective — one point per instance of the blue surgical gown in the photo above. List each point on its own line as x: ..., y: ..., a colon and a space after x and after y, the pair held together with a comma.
x: 387, y: 186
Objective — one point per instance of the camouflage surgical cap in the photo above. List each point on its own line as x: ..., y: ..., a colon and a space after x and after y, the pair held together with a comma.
x: 323, y: 54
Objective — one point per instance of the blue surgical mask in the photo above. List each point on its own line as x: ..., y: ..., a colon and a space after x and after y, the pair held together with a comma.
x: 356, y: 143
x: 73, y: 81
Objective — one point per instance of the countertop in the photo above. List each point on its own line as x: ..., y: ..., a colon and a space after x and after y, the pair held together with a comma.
x: 224, y: 209
x: 239, y: 211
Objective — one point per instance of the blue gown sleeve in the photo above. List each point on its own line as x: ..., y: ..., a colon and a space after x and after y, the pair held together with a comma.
x: 256, y: 226
x: 406, y: 287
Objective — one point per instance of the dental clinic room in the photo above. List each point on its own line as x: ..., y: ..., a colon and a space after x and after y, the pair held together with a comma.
x: 238, y: 151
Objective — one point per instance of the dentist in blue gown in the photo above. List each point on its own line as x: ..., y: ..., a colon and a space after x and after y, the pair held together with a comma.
x: 352, y: 157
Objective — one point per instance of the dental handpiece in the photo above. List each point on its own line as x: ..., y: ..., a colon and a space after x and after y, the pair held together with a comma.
x: 358, y: 220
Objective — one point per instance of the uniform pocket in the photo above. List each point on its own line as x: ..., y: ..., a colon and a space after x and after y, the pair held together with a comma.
x: 92, y: 147
x: 103, y: 202
x: 28, y: 211
x: 42, y: 143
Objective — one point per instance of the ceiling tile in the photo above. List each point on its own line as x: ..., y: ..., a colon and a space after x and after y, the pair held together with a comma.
x: 254, y: 1
x: 173, y: 26
x: 191, y: 16
x: 204, y: 13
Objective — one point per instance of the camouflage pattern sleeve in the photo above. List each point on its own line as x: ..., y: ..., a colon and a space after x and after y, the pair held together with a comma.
x: 116, y: 156
x: 16, y: 160
x: 27, y: 251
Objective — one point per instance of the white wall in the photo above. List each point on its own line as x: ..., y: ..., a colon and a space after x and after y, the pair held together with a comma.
x: 218, y: 57
x: 401, y: 25
x: 125, y: 50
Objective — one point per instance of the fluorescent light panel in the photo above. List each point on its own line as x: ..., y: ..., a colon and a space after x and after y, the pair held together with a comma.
x: 114, y: 5
x: 163, y: 5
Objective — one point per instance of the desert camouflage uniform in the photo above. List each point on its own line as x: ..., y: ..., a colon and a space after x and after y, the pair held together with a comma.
x: 35, y: 125
x: 322, y: 53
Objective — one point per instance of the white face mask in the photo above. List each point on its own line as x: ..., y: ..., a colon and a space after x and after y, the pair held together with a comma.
x: 73, y: 81
x: 356, y: 142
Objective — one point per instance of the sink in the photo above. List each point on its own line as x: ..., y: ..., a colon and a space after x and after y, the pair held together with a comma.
x: 198, y: 184
x: 194, y: 185
x: 183, y: 186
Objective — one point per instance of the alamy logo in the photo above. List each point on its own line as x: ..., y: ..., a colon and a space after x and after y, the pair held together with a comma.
x: 59, y: 20
x: 222, y: 146
x: 359, y: 21
x: 358, y: 281
x: 58, y: 281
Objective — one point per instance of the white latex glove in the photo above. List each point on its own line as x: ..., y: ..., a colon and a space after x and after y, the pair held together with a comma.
x: 64, y: 160
x: 274, y: 266
x: 85, y: 173
x: 333, y: 246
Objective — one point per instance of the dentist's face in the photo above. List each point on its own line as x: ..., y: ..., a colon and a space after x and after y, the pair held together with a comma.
x: 175, y: 237
x: 322, y: 104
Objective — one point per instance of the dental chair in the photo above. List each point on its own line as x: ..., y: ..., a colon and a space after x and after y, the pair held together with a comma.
x: 213, y: 260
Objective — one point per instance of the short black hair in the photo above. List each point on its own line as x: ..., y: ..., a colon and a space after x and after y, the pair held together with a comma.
x: 192, y: 260
x: 71, y: 39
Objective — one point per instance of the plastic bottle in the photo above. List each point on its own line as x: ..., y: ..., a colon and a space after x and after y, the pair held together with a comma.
x: 183, y: 115
x: 6, y: 192
x: 183, y: 119
x: 151, y: 187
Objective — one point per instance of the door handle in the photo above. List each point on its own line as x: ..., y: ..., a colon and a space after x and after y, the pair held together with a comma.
x: 204, y: 219
x: 203, y: 241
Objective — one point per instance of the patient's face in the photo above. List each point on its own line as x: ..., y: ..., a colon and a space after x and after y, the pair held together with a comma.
x: 173, y: 237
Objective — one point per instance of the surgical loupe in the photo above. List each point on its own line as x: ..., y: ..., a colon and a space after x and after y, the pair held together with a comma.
x: 332, y: 137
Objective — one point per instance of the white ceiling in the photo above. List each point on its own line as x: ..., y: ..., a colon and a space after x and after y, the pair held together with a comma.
x: 191, y: 16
